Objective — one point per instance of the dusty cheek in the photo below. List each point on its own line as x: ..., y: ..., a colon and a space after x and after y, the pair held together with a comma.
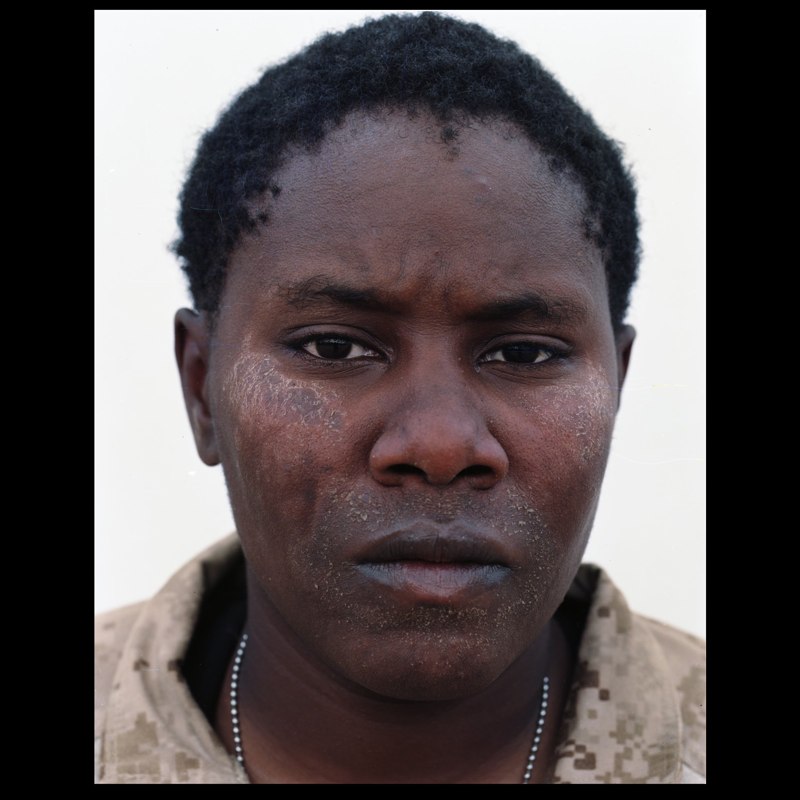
x: 580, y: 417
x: 254, y: 387
x: 575, y: 421
x: 562, y: 460
x: 261, y: 412
x: 279, y: 437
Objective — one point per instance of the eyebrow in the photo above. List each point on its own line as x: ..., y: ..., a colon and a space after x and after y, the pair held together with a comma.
x: 320, y: 290
x: 534, y: 304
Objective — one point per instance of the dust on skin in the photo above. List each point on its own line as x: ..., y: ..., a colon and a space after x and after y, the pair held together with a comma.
x: 582, y: 412
x: 458, y: 635
x: 254, y: 382
x: 297, y: 452
x: 579, y: 414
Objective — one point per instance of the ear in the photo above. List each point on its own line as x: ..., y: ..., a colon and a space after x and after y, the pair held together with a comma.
x: 192, y: 348
x: 624, y: 344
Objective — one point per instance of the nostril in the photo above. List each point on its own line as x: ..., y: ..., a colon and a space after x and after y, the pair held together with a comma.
x: 476, y: 471
x: 405, y: 469
x: 478, y: 476
x: 399, y: 474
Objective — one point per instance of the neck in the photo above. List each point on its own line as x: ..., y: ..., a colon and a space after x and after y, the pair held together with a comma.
x: 301, y: 722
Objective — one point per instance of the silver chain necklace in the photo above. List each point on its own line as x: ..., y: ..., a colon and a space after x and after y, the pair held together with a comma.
x: 237, y: 730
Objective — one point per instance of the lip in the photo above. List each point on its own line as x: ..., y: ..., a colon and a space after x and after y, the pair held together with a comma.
x: 435, y: 564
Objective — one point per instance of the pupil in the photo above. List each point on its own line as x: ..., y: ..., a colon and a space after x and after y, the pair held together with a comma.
x: 520, y: 353
x: 334, y: 348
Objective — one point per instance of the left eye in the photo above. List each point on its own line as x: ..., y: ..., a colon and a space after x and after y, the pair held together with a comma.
x: 335, y: 348
x: 519, y: 353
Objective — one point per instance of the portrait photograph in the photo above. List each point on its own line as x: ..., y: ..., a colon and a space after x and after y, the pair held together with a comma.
x: 400, y: 396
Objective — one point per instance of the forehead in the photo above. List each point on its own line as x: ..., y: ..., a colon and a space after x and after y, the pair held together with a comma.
x: 393, y: 201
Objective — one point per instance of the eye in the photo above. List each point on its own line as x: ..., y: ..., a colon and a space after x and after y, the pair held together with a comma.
x: 520, y: 353
x: 336, y: 348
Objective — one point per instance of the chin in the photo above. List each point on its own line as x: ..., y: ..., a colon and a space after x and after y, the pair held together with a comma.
x: 430, y: 668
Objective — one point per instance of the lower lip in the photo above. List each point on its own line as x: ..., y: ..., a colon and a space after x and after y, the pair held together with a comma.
x: 451, y: 583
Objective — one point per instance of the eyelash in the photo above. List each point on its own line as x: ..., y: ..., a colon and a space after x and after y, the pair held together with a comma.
x: 552, y: 354
x: 335, y: 338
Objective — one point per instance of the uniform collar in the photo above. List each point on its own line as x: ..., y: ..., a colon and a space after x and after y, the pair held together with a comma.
x: 622, y: 721
x: 155, y: 731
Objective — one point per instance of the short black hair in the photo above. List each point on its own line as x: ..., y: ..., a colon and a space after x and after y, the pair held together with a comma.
x: 428, y: 62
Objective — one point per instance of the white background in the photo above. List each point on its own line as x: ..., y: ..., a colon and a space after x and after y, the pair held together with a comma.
x: 162, y: 77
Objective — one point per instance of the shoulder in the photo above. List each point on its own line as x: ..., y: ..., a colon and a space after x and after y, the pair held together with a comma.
x: 111, y: 630
x: 685, y: 658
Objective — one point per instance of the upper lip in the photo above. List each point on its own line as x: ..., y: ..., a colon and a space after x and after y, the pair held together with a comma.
x: 438, y: 544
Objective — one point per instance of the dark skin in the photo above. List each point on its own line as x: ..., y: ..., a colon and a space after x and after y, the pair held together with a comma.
x: 411, y: 386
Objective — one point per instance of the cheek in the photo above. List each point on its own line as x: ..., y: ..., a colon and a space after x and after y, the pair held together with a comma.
x: 255, y: 389
x: 564, y: 452
x: 278, y: 437
x: 580, y: 417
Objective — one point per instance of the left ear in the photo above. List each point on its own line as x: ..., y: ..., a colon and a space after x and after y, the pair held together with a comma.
x: 624, y: 344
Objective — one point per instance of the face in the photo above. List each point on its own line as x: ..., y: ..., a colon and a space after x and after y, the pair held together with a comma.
x: 411, y: 387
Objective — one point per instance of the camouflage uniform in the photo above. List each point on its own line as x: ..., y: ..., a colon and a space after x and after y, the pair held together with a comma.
x: 636, y: 711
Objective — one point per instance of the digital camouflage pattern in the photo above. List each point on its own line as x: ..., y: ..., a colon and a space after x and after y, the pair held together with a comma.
x: 636, y: 712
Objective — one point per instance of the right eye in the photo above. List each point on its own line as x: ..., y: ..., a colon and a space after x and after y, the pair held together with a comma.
x: 336, y: 348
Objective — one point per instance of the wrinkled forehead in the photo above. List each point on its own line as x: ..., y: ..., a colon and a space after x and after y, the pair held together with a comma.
x: 394, y: 149
x: 394, y: 198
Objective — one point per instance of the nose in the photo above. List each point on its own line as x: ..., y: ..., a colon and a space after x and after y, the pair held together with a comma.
x: 438, y: 436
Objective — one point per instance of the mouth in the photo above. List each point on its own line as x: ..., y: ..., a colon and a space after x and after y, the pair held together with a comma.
x: 435, y: 565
